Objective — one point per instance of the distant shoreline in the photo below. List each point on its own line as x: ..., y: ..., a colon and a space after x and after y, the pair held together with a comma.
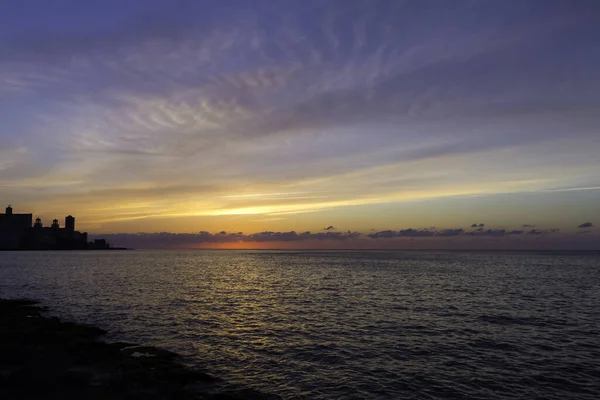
x: 108, y: 249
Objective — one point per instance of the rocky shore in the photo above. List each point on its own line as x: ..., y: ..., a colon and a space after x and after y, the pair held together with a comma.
x: 42, y: 357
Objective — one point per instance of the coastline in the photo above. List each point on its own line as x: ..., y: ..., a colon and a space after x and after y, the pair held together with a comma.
x: 43, y: 357
x: 107, y: 249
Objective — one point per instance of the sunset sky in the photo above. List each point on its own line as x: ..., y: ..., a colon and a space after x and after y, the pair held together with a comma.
x: 371, y: 124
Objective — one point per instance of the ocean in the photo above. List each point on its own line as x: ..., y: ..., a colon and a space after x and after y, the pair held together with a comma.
x: 342, y: 325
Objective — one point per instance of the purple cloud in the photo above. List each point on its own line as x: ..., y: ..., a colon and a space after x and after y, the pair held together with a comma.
x: 489, y: 232
x: 450, y: 235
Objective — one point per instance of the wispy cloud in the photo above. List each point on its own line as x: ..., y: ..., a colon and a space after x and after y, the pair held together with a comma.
x: 279, y: 109
x: 10, y: 157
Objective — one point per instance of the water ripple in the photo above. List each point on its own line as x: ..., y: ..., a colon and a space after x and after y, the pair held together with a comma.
x: 343, y: 325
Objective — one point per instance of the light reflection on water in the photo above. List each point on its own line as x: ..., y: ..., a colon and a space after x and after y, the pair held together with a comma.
x: 324, y: 325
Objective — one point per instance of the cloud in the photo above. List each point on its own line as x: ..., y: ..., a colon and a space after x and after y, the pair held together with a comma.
x: 586, y: 225
x: 416, y: 233
x: 184, y: 239
x: 543, y: 231
x: 293, y: 236
x: 454, y: 232
x: 450, y: 232
x: 330, y: 228
x: 166, y: 239
x: 527, y: 226
x: 383, y: 234
x: 315, y: 97
x: 401, y: 233
x: 489, y: 232
x: 429, y: 237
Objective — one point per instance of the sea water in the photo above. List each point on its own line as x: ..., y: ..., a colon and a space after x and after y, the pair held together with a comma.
x: 342, y: 325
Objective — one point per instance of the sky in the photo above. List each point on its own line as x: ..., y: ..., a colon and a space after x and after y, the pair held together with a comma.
x: 300, y: 124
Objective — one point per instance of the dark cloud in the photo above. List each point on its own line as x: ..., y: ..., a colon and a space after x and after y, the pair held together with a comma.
x: 527, y: 226
x: 474, y: 226
x: 330, y: 228
x: 503, y: 232
x: 415, y: 233
x: 402, y: 233
x: 166, y: 239
x: 294, y: 236
x: 432, y: 232
x: 542, y: 231
x: 383, y: 234
x: 450, y: 232
x: 489, y: 232
x: 586, y: 225
x: 481, y: 225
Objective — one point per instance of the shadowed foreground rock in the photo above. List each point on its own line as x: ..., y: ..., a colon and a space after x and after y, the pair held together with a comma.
x: 44, y: 358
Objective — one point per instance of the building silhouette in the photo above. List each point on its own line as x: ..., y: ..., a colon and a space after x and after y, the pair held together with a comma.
x: 13, y: 228
x: 18, y: 233
x: 70, y: 223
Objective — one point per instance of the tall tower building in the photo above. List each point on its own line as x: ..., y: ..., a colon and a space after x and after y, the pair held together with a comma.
x: 55, y: 224
x: 9, y: 210
x: 70, y: 223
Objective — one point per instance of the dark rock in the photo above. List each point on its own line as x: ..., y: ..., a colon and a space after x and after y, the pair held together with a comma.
x: 44, y: 358
x: 243, y: 394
